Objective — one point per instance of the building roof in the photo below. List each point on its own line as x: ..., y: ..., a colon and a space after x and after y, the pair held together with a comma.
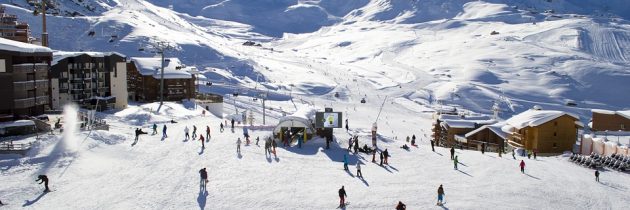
x: 301, y: 118
x: 495, y: 128
x: 624, y: 113
x: 466, y: 123
x: 60, y: 55
x: 532, y: 118
x: 15, y: 46
x: 150, y: 66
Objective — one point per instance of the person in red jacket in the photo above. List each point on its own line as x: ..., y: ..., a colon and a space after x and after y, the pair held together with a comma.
x: 203, y: 145
x: 522, y: 166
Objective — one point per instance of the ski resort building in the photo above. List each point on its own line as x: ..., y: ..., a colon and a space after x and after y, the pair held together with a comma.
x: 11, y: 29
x: 491, y: 135
x: 447, y: 127
x: 297, y: 126
x: 144, y: 79
x: 23, y: 79
x: 547, y: 131
x: 93, y: 80
x: 605, y: 120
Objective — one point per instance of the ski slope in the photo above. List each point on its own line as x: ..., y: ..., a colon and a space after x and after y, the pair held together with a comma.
x: 108, y: 172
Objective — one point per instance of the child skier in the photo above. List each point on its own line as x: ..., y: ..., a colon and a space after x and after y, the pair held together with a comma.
x: 522, y: 166
x: 440, y: 195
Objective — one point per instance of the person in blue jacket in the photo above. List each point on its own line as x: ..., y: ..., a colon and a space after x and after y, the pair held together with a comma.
x: 345, y: 162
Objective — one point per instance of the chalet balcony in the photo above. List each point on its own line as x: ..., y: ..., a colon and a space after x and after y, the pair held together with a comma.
x: 30, y: 67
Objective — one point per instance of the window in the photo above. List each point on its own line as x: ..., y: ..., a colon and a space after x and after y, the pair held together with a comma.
x: 623, y: 127
x: 555, y: 123
x: 555, y: 145
x: 554, y: 134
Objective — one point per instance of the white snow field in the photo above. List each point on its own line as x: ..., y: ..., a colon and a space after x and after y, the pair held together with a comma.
x: 409, y: 55
x: 108, y: 171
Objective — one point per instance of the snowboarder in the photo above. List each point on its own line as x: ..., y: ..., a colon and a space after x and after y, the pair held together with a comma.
x: 385, y: 156
x: 238, y: 145
x: 381, y: 156
x: 154, y: 129
x: 232, y: 123
x: 373, y: 156
x: 221, y: 127
x: 345, y: 162
x: 452, y: 153
x: 207, y: 133
x: 455, y: 162
x: 597, y: 175
x: 164, y: 132
x: 433, y: 145
x: 43, y: 179
x: 204, y: 179
x: 483, y: 148
x: 342, y: 197
x: 186, y: 133
x: 203, y: 145
x: 401, y: 206
x: 440, y: 195
x: 522, y: 166
x: 359, y: 174
x: 194, y: 134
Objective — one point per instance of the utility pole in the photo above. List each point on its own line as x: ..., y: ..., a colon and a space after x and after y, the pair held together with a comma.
x: 42, y: 8
x: 162, y: 47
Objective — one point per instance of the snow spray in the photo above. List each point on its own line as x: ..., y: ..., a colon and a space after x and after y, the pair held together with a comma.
x: 69, y: 139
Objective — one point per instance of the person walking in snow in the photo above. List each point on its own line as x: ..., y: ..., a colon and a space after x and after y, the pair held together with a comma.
x: 207, y: 133
x: 432, y: 145
x: 345, y: 162
x: 257, y: 139
x: 386, y: 156
x: 238, y: 145
x: 455, y: 162
x: 359, y: 174
x: 373, y: 156
x: 380, y: 154
x: 407, y: 140
x: 535, y: 151
x: 401, y: 206
x: 203, y: 145
x: 194, y: 134
x: 164, y: 132
x: 350, y: 144
x: 514, y: 154
x: 273, y: 146
x: 204, y: 179
x: 221, y: 128
x: 441, y: 194
x: 522, y: 165
x: 356, y: 146
x: 137, y: 135
x: 596, y: 175
x: 43, y: 179
x: 267, y: 146
x: 342, y: 197
x: 186, y: 133
x: 483, y: 148
x: 232, y: 123
x: 452, y: 153
x: 413, y: 140
x: 154, y: 129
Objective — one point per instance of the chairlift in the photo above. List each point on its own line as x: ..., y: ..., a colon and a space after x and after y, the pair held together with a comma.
x: 336, y: 94
x: 363, y: 100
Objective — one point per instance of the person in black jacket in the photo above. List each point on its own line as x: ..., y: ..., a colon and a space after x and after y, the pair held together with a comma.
x: 597, y: 175
x: 401, y: 206
x: 204, y: 179
x: 342, y: 197
x: 44, y: 179
x: 380, y: 154
x: 452, y: 153
x: 385, y: 156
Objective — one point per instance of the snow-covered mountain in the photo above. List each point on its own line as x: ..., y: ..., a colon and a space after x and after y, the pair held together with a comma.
x: 544, y: 52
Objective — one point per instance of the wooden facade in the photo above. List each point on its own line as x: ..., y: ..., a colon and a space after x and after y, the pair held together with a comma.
x: 488, y: 135
x: 555, y: 136
x: 610, y: 122
x: 146, y: 88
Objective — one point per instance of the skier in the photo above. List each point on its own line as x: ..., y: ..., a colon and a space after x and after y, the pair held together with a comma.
x: 381, y: 156
x: 164, y: 132
x: 401, y: 206
x: 535, y: 151
x: 186, y: 133
x: 597, y: 175
x: 407, y: 140
x: 356, y: 146
x: 232, y: 123
x: 385, y: 156
x: 513, y: 154
x: 350, y: 144
x: 359, y: 174
x: 137, y: 135
x: 204, y: 179
x: 413, y: 140
x: 345, y: 162
x: 207, y: 133
x: 238, y: 145
x: 257, y: 139
x: 440, y: 195
x: 221, y: 129
x: 267, y: 146
x: 373, y: 156
x: 203, y: 145
x: 342, y: 197
x: 44, y: 179
x: 452, y: 153
x: 432, y: 145
x: 522, y: 166
x: 455, y: 162
x: 347, y: 129
x: 194, y: 134
x: 483, y: 148
x: 154, y: 129
x: 529, y: 154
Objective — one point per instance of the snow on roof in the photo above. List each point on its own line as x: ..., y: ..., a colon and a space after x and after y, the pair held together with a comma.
x: 60, y: 55
x: 302, y: 117
x: 532, y: 118
x: 495, y: 128
x: 17, y: 123
x: 624, y: 113
x: 464, y: 117
x: 151, y: 66
x: 10, y: 45
x: 466, y: 123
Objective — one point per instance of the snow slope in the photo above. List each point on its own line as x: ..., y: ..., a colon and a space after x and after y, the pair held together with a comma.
x: 109, y: 171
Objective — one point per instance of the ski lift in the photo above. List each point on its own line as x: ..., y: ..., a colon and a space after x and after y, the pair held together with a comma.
x: 336, y: 94
x: 141, y: 49
x: 363, y: 100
